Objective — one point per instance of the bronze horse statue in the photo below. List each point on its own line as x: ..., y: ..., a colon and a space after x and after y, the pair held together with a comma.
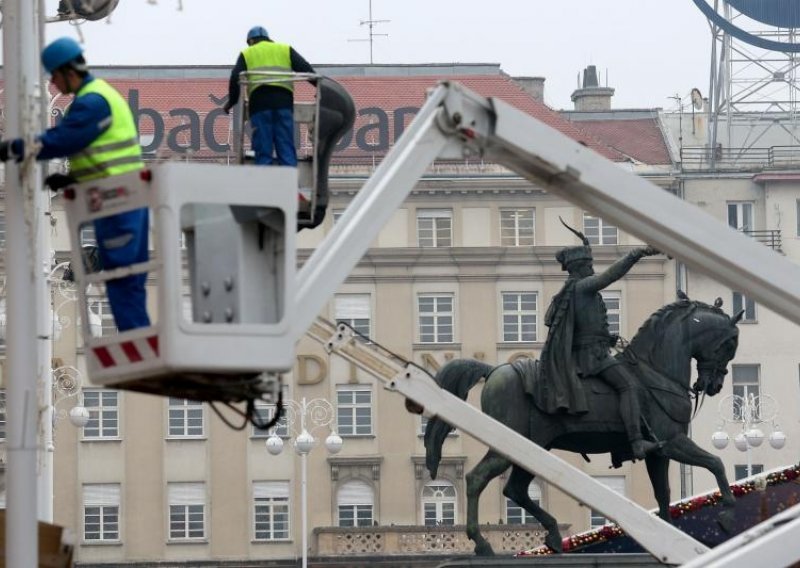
x: 659, y: 356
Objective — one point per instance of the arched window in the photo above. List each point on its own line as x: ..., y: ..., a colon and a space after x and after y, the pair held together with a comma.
x: 516, y: 515
x: 355, y: 502
x: 438, y: 503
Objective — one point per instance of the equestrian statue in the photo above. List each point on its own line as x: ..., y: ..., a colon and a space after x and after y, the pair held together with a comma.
x: 636, y: 404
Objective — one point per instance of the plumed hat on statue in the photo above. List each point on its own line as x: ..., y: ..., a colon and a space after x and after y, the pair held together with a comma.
x: 568, y: 255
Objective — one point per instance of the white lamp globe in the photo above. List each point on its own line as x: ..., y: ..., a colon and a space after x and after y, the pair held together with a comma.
x: 274, y: 445
x: 755, y: 437
x: 334, y: 443
x: 304, y: 443
x: 777, y: 439
x: 740, y: 441
x: 79, y: 416
x: 720, y: 439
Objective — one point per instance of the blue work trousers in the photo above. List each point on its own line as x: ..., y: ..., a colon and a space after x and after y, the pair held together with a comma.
x: 273, y: 131
x: 122, y: 241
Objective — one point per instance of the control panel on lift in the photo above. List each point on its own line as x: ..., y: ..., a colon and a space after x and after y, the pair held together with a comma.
x: 321, y: 117
x: 220, y: 274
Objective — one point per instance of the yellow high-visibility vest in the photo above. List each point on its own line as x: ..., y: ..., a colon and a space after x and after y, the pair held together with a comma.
x: 267, y: 56
x: 117, y: 150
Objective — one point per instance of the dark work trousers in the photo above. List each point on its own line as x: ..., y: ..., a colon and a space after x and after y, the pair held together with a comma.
x: 122, y: 241
x: 273, y: 130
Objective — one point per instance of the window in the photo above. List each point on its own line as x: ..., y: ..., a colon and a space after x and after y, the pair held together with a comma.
x: 187, y: 511
x: 742, y: 302
x: 516, y: 515
x: 612, y: 300
x: 740, y: 215
x: 271, y: 510
x: 516, y: 227
x: 435, y: 318
x: 185, y: 418
x: 614, y: 482
x: 438, y: 503
x: 2, y: 414
x: 100, y: 307
x: 103, y: 407
x: 354, y: 411
x: 740, y: 471
x: 354, y: 504
x: 519, y: 316
x: 101, y: 512
x: 265, y: 413
x: 434, y: 227
x: 598, y: 231
x: 2, y: 228
x: 423, y: 423
x: 354, y: 310
x: 745, y: 380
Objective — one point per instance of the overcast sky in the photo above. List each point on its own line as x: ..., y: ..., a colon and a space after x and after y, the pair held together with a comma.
x: 650, y: 49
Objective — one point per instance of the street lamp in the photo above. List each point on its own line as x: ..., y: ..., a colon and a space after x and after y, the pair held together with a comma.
x: 750, y: 411
x: 301, y: 419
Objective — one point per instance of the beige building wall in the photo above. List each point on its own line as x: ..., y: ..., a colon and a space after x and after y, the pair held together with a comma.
x: 476, y: 269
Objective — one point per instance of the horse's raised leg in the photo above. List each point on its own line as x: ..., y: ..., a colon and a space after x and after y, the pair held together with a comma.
x: 516, y: 489
x: 487, y: 469
x: 684, y: 450
x: 658, y: 470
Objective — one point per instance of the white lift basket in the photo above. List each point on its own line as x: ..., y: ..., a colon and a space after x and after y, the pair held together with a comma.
x: 238, y: 226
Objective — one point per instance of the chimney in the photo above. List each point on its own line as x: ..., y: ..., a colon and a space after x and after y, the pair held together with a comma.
x: 591, y: 96
x: 534, y: 86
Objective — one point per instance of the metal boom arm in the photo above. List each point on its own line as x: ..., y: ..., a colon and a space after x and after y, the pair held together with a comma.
x: 455, y: 123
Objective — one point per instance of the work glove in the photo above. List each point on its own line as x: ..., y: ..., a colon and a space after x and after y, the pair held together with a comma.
x: 11, y: 150
x: 59, y: 181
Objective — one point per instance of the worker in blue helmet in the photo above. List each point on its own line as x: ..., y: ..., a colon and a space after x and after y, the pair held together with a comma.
x: 98, y: 134
x: 271, y: 104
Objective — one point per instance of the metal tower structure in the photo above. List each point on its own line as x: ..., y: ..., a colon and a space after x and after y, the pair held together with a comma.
x: 753, y: 83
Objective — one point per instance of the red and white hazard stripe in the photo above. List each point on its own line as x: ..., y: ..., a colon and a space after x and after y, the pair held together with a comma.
x: 127, y: 352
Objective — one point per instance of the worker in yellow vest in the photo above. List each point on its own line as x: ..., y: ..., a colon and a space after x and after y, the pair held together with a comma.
x: 98, y: 135
x: 271, y: 104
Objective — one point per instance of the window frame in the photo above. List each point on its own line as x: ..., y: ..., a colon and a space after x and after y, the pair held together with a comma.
x: 609, y: 296
x: 101, y: 412
x: 185, y: 408
x: 740, y: 301
x: 438, y: 501
x: 519, y: 314
x: 743, y: 386
x: 740, y: 210
x: 358, y: 506
x: 525, y: 518
x: 513, y: 215
x: 616, y: 483
x: 186, y: 506
x: 600, y: 238
x: 436, y: 315
x: 276, y: 497
x: 349, y: 411
x: 107, y: 505
x: 360, y: 305
x: 433, y: 215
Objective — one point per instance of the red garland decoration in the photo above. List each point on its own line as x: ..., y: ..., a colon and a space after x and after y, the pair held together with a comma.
x: 608, y: 532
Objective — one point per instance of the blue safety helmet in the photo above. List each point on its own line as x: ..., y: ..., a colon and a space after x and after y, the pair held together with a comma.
x: 257, y: 32
x: 60, y: 52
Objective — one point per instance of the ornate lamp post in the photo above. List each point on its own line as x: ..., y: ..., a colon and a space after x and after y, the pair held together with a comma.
x: 749, y: 411
x: 302, y: 418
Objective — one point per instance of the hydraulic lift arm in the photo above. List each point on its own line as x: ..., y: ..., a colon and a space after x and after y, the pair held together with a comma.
x: 456, y: 123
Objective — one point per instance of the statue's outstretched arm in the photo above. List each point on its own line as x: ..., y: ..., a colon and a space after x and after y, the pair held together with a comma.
x: 616, y: 271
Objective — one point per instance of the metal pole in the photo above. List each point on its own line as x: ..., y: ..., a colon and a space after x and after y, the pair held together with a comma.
x: 22, y: 84
x: 304, y: 504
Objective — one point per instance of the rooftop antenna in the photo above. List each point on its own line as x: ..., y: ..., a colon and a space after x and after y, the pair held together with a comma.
x: 371, y: 23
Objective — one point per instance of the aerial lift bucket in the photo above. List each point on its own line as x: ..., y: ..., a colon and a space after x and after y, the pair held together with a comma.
x: 227, y: 237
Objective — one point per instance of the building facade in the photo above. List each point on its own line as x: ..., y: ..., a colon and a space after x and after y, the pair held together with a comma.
x: 465, y: 268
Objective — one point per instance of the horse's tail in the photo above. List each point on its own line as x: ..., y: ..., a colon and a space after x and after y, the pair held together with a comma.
x: 456, y: 377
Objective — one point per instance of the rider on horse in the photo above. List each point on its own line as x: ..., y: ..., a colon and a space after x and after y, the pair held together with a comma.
x: 578, y: 342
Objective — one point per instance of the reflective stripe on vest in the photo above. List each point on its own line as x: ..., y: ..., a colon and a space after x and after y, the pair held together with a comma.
x: 116, y: 151
x: 267, y: 56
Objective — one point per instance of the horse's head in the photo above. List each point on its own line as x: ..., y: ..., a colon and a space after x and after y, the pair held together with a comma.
x: 715, y: 338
